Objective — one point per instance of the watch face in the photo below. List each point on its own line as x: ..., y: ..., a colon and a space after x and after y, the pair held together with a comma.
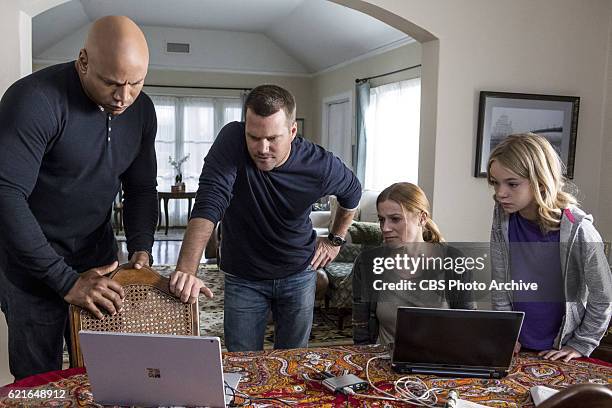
x: 335, y: 240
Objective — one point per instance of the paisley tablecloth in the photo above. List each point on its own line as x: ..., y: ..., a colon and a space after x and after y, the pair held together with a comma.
x: 291, y: 375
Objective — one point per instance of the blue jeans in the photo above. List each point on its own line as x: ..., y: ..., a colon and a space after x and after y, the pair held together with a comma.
x: 247, y: 304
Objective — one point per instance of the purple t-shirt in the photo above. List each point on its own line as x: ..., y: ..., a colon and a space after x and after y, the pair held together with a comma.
x: 535, y: 257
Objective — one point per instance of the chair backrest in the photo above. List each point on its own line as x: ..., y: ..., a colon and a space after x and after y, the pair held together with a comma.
x: 149, y: 307
x: 580, y: 395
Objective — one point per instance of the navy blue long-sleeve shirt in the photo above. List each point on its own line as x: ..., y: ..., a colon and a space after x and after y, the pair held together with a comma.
x: 266, y: 228
x: 62, y: 160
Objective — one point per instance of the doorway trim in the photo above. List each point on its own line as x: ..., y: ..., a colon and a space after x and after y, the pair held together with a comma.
x: 330, y: 100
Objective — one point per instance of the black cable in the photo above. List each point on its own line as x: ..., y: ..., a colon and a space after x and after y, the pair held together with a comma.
x: 358, y: 80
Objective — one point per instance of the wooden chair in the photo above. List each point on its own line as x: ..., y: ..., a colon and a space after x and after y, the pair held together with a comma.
x: 580, y: 395
x: 149, y: 307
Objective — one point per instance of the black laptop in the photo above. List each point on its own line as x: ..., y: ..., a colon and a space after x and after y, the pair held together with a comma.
x: 454, y: 342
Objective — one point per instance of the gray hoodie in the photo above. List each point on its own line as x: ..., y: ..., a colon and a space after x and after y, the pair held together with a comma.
x: 586, y: 275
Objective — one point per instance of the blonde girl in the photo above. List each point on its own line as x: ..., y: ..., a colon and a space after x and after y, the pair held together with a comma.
x: 540, y: 235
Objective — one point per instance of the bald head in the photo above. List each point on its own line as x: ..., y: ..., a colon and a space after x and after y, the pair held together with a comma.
x: 113, y: 64
x: 117, y: 39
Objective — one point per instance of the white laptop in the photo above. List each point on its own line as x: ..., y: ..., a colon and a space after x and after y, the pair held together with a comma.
x: 156, y: 370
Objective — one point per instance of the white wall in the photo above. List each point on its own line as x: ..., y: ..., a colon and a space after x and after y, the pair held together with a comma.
x: 548, y: 46
x: 604, y: 222
x: 11, y: 69
x: 211, y: 50
x: 14, y: 60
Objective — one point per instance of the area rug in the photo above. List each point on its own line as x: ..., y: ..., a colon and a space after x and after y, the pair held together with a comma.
x: 324, y: 332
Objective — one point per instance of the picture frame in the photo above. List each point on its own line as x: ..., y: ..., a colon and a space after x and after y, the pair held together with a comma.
x: 503, y: 113
x: 300, y: 127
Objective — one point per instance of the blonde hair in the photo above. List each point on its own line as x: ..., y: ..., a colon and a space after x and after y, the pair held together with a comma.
x: 532, y: 157
x: 412, y: 199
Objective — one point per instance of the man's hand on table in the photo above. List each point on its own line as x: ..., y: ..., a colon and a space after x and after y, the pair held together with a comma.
x: 93, y: 291
x: 567, y: 353
x: 139, y: 259
x: 324, y: 254
x: 187, y: 287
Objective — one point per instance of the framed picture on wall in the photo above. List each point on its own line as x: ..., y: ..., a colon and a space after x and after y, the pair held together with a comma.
x: 300, y: 127
x: 502, y: 113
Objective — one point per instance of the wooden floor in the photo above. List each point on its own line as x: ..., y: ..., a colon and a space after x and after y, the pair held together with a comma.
x: 164, y: 252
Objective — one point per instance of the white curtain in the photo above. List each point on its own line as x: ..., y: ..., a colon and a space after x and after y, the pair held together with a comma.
x: 199, y: 133
x: 165, y: 141
x: 392, y: 145
x: 187, y: 125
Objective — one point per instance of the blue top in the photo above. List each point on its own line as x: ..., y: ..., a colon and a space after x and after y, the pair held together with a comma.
x: 266, y: 228
x: 535, y: 257
x: 62, y: 161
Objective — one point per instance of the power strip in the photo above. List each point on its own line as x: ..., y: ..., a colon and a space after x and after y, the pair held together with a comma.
x: 350, y: 381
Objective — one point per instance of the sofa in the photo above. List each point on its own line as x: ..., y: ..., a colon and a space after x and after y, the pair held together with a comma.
x: 366, y: 212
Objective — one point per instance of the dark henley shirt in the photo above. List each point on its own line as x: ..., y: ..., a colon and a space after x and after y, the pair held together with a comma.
x: 266, y: 228
x: 62, y: 160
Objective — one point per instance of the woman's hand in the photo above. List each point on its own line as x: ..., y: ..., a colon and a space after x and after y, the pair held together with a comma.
x: 566, y: 352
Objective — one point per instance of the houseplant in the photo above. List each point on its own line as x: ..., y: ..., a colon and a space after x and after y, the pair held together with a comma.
x: 179, y: 185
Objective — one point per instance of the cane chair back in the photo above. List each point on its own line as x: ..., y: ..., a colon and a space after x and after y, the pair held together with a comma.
x: 148, y: 307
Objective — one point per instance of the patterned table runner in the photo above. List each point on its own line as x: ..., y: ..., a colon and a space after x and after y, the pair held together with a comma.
x: 291, y: 375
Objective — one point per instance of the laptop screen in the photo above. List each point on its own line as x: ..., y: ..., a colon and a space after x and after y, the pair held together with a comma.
x: 468, y: 338
x: 154, y: 369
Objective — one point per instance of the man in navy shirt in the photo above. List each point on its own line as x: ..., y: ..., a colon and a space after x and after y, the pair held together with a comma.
x: 262, y: 181
x: 69, y: 135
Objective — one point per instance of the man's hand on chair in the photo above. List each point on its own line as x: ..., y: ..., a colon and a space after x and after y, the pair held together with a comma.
x: 93, y: 291
x: 139, y: 259
x: 187, y: 287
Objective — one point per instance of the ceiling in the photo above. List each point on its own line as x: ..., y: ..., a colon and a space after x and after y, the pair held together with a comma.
x: 314, y: 34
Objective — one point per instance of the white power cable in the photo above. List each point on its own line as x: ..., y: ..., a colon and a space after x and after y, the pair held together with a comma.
x: 409, y: 388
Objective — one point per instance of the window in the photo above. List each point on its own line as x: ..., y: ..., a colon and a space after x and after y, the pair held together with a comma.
x: 188, y: 125
x: 393, y: 122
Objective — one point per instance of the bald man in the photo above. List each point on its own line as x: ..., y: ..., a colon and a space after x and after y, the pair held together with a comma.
x: 70, y: 136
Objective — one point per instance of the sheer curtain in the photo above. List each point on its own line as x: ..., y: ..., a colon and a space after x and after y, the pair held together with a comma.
x: 392, y: 145
x: 165, y: 141
x: 199, y: 133
x: 188, y: 125
x: 362, y: 92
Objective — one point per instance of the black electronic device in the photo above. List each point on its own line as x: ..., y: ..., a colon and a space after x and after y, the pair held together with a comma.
x: 455, y: 342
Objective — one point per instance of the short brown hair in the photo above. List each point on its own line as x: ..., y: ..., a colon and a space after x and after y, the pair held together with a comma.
x: 266, y: 100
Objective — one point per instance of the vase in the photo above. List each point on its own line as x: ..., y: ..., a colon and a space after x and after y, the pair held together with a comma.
x: 178, y: 188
